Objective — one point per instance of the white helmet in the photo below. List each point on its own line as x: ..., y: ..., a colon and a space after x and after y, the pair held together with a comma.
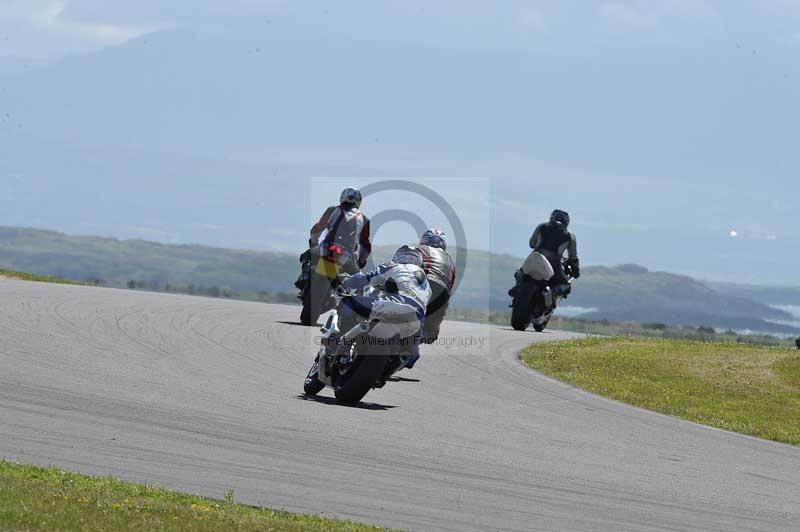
x: 351, y: 195
x: 435, y: 238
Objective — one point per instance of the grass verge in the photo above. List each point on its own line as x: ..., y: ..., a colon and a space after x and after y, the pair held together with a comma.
x: 23, y: 276
x: 747, y: 389
x: 36, y: 498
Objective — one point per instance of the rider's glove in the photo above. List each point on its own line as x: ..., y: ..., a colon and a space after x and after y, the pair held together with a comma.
x: 341, y: 278
x: 575, y: 268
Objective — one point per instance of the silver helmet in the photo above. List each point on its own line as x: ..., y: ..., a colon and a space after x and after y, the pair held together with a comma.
x: 435, y: 238
x: 351, y: 195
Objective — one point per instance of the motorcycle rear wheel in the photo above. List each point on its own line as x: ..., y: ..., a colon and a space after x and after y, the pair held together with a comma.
x: 360, y: 378
x: 314, y: 298
x: 521, y: 309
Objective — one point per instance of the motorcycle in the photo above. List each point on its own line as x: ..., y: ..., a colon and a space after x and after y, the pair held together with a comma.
x: 535, y: 300
x: 361, y: 358
x: 320, y: 267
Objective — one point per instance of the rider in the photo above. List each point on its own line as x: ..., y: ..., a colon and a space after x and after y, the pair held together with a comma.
x: 403, y: 280
x: 344, y: 224
x: 441, y: 272
x: 552, y: 239
x: 345, y: 220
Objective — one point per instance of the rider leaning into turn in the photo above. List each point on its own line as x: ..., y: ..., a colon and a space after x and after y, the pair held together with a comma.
x: 347, y: 220
x: 401, y: 279
x: 441, y: 272
x: 552, y: 239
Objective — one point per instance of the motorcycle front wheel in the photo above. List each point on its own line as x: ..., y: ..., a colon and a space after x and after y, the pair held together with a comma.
x: 313, y: 385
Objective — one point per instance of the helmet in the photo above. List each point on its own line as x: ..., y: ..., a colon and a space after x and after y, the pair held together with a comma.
x: 435, y: 238
x: 408, y: 255
x: 560, y: 217
x: 351, y: 195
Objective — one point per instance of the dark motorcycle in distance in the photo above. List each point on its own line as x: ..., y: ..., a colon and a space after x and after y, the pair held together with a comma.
x: 320, y: 267
x: 535, y: 300
x: 354, y: 361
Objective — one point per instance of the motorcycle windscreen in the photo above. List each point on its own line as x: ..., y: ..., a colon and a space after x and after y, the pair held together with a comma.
x: 395, y: 319
x: 538, y: 267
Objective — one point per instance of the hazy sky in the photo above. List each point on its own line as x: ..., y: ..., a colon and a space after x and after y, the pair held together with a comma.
x: 56, y: 27
x: 663, y: 126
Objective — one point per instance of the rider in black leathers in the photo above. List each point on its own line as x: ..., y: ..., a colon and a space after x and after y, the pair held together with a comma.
x: 552, y: 239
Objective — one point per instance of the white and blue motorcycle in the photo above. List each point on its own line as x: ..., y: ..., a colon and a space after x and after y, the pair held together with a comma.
x: 361, y: 358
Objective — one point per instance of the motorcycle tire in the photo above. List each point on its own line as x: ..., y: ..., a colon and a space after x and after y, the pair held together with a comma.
x: 313, y: 301
x: 521, y: 309
x: 313, y: 385
x: 367, y: 368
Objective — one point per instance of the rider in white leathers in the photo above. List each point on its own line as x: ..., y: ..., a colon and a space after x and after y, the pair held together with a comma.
x: 402, y: 280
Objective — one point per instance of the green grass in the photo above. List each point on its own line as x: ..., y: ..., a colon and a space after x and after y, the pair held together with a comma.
x: 35, y: 498
x: 23, y: 276
x: 741, y: 388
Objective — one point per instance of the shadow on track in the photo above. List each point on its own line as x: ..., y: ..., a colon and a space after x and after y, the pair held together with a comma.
x: 297, y: 323
x: 401, y: 379
x: 333, y: 402
x: 529, y: 329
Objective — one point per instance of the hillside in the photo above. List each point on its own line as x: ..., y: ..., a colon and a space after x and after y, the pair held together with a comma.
x: 771, y: 295
x: 624, y: 293
x: 632, y: 293
x: 118, y: 261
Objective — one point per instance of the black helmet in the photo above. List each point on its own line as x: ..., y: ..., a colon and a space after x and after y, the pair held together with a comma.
x: 351, y: 195
x: 560, y: 217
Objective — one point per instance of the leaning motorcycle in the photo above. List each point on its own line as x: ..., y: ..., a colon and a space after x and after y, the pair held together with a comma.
x: 354, y: 361
x: 320, y: 267
x: 535, y: 300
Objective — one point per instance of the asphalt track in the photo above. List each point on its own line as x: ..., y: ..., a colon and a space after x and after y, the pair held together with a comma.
x: 204, y: 395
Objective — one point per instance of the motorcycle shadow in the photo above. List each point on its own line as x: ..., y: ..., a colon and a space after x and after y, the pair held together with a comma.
x: 325, y: 400
x: 296, y: 323
x: 529, y: 329
x: 401, y: 379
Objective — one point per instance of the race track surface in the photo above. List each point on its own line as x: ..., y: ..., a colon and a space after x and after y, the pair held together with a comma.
x: 204, y: 395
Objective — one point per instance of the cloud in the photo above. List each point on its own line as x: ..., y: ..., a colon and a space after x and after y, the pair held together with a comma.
x: 51, y: 18
x: 532, y: 18
x: 646, y: 15
x: 791, y: 40
x: 44, y: 27
x: 628, y: 14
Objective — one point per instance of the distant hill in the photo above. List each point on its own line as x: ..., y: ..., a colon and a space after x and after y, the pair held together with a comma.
x: 623, y: 293
x: 771, y: 295
x: 118, y: 261
x: 632, y: 293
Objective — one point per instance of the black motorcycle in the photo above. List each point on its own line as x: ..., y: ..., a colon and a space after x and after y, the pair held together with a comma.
x: 535, y: 299
x: 320, y: 267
